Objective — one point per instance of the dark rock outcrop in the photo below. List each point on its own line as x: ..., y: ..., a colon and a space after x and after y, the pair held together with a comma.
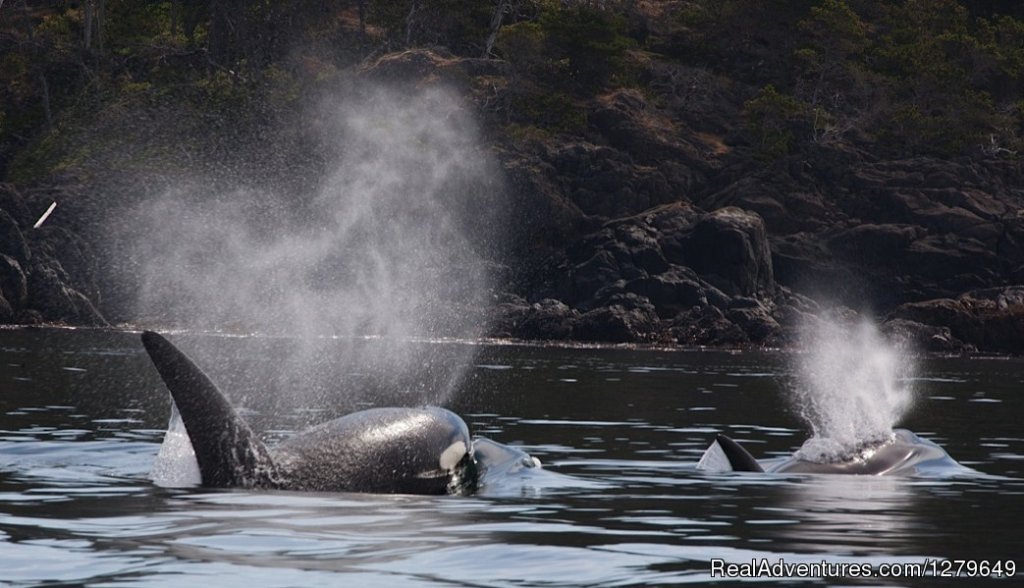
x: 915, y: 336
x: 547, y: 319
x: 628, y: 318
x: 50, y: 294
x: 47, y: 274
x: 862, y: 231
x: 706, y: 325
x: 677, y: 258
x: 13, y: 285
x: 990, y: 319
x: 912, y: 235
x: 12, y: 241
x: 729, y: 248
x: 13, y: 203
x: 672, y: 274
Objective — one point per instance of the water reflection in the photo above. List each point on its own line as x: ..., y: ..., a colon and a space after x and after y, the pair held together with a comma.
x: 844, y: 514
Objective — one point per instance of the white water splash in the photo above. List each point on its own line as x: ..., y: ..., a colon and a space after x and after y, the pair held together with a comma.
x: 852, y: 388
x: 176, y: 466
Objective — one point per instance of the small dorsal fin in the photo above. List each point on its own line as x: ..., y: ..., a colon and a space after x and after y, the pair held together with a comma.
x: 739, y: 458
x: 228, y: 452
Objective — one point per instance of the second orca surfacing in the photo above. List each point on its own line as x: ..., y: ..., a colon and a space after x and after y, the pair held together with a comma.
x: 904, y: 453
x: 382, y: 450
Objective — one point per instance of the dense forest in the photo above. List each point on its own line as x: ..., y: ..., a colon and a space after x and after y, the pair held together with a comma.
x: 866, y: 151
x: 919, y: 76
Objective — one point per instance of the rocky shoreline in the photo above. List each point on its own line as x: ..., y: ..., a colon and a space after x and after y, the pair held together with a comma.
x: 654, y: 223
x: 679, y: 276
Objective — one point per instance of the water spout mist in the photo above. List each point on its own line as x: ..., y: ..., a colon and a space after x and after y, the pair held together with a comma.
x: 851, y: 388
x: 393, y: 241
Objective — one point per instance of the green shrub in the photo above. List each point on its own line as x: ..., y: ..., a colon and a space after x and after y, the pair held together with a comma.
x: 588, y: 45
x: 775, y: 121
x: 835, y: 39
x: 963, y: 122
x: 554, y: 111
x: 522, y: 44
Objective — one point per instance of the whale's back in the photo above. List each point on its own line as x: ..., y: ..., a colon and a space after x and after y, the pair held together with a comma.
x: 389, y: 450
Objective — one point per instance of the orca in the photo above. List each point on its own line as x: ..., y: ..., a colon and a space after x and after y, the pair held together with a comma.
x: 381, y: 450
x: 903, y: 453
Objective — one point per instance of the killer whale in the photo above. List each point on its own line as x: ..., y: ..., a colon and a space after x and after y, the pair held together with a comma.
x: 382, y: 450
x: 903, y: 453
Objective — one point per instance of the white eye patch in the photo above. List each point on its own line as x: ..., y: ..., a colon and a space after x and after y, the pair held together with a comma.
x: 451, y: 456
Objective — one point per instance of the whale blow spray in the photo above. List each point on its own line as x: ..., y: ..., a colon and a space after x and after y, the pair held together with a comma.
x: 851, y: 388
x: 392, y: 240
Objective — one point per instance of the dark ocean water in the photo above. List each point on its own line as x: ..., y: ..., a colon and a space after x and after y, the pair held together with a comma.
x: 82, y: 415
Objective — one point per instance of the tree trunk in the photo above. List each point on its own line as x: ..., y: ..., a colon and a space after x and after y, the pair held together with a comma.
x: 496, y: 18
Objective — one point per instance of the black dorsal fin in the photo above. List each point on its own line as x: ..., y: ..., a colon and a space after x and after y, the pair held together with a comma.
x: 739, y: 458
x: 228, y: 452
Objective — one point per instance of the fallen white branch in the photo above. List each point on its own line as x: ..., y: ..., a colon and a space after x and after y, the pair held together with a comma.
x: 45, y: 216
